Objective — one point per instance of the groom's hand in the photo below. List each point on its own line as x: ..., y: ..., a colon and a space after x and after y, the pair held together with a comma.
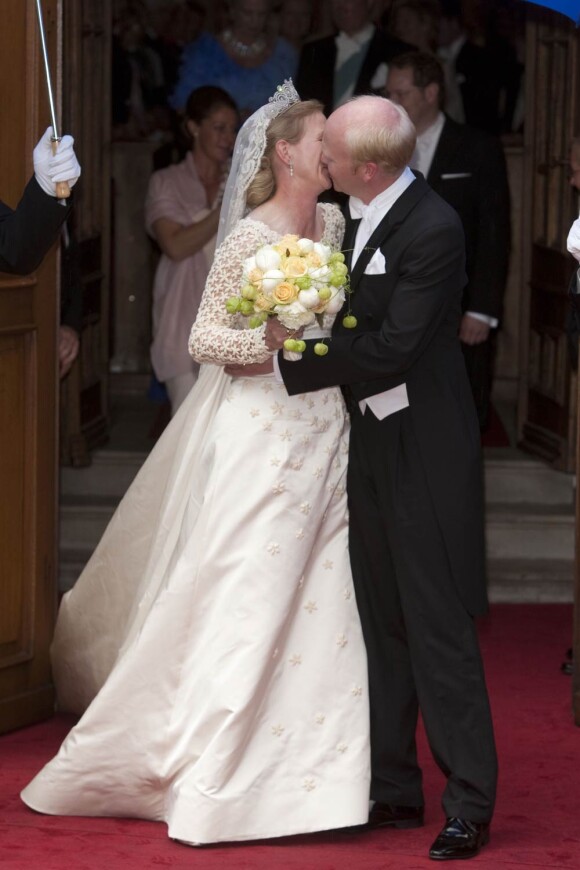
x: 250, y: 370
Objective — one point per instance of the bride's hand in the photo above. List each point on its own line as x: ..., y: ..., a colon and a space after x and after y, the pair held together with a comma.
x: 276, y: 334
x: 248, y: 371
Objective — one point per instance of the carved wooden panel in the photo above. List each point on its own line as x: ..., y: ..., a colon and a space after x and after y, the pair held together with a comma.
x: 547, y: 400
x: 28, y: 392
x: 87, y: 77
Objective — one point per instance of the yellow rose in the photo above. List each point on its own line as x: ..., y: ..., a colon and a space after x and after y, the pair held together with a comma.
x: 313, y: 260
x: 255, y: 276
x: 288, y: 246
x: 285, y: 293
x: 262, y: 303
x: 294, y: 267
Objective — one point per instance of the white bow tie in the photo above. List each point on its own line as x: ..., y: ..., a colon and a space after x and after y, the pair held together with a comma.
x: 358, y: 209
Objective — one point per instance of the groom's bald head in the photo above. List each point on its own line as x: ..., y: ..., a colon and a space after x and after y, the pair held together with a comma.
x: 367, y: 144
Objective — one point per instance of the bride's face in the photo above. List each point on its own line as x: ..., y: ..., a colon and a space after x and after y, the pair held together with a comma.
x: 307, y: 154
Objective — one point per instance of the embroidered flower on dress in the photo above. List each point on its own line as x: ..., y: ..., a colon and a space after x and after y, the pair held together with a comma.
x: 341, y: 641
x: 309, y: 784
x: 273, y: 548
x: 295, y: 660
x: 277, y: 730
x: 311, y: 606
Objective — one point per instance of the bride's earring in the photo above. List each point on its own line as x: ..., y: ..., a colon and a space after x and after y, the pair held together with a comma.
x: 291, y: 169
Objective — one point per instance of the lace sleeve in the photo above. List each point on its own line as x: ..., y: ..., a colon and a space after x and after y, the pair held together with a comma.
x: 333, y: 225
x: 333, y: 235
x: 216, y: 336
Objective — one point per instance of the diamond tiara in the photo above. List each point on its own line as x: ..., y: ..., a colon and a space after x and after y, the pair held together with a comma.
x: 286, y: 94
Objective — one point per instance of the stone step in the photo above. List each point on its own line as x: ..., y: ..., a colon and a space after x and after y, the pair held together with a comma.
x: 517, y: 479
x: 523, y: 531
x: 514, y: 581
x: 512, y: 479
x: 109, y: 475
x: 83, y: 521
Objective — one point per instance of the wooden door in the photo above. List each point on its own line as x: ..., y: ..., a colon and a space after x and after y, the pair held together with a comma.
x: 547, y: 400
x: 86, y: 113
x: 28, y: 392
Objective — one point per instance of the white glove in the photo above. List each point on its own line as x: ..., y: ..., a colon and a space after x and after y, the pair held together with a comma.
x: 573, y: 243
x: 50, y: 168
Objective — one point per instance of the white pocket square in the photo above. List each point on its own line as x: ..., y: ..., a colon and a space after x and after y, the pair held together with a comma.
x: 447, y: 176
x: 377, y: 264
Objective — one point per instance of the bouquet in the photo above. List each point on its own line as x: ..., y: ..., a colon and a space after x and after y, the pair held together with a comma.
x: 297, y: 281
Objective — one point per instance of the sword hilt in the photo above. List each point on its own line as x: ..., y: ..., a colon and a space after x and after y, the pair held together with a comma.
x: 62, y: 187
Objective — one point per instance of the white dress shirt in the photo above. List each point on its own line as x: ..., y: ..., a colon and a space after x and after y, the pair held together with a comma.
x: 388, y: 402
x: 426, y: 146
x: 346, y: 46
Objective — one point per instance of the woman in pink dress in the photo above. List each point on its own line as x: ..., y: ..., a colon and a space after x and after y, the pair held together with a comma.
x: 181, y: 214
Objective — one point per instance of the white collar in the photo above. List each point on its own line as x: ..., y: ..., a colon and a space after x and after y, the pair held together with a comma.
x: 383, y: 201
x: 359, y: 38
x: 432, y: 132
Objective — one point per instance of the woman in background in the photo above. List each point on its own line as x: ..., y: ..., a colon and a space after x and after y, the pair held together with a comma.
x: 181, y: 214
x: 246, y: 58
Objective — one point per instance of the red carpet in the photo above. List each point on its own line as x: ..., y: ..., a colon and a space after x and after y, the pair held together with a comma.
x: 537, y: 822
x: 495, y: 434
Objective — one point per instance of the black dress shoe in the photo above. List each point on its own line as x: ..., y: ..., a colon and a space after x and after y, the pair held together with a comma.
x: 459, y: 838
x: 391, y: 816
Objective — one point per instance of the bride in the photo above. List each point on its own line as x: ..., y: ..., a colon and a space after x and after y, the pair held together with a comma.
x: 212, y: 643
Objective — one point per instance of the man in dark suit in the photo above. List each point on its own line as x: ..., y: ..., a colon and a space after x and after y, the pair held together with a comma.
x: 467, y: 168
x: 27, y: 232
x: 351, y: 61
x: 472, y: 73
x: 414, y: 478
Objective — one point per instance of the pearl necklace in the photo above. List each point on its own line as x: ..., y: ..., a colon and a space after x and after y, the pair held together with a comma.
x: 241, y: 48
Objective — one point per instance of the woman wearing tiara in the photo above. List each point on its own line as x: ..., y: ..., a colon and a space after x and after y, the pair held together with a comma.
x: 213, y: 641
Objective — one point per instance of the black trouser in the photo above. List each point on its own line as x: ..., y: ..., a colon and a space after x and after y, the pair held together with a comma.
x: 421, y: 642
x: 478, y: 361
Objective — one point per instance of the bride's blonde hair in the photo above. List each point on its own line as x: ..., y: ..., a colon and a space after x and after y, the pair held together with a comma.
x: 288, y: 126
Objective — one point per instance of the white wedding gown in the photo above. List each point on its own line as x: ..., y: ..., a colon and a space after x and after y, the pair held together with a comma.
x: 213, y: 639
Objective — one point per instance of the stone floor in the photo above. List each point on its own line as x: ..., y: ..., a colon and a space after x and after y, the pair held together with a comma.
x: 530, y: 522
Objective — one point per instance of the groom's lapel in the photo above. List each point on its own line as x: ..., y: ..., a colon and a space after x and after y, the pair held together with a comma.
x: 349, y: 237
x: 391, y: 221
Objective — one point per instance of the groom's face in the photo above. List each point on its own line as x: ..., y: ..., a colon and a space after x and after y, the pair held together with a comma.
x: 337, y: 160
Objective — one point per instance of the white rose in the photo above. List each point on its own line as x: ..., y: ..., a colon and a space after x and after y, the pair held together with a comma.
x: 249, y: 264
x: 271, y: 279
x: 267, y: 258
x: 335, y: 303
x: 323, y: 251
x: 294, y: 316
x: 305, y: 245
x: 321, y: 274
x: 309, y: 298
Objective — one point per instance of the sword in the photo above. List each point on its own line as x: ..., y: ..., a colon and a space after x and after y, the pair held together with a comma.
x: 62, y: 188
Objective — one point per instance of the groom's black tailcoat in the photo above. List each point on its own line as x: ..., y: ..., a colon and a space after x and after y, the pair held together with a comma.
x: 27, y: 232
x: 415, y: 502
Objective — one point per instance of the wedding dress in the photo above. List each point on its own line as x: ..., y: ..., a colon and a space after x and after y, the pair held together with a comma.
x: 213, y: 640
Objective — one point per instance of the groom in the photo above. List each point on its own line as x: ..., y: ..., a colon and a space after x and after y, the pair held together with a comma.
x: 414, y: 479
